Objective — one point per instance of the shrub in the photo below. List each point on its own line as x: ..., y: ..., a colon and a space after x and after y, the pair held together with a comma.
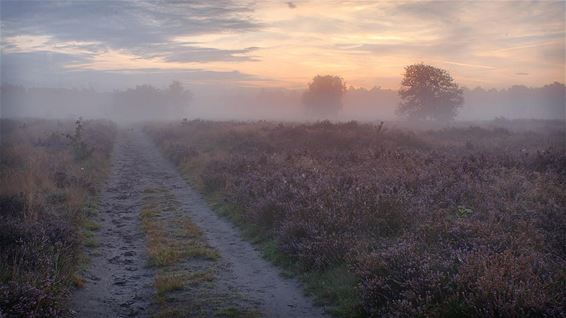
x: 80, y: 149
x: 427, y: 224
x: 44, y: 187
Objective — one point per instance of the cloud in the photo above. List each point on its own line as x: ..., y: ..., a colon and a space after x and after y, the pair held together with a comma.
x: 203, y: 54
x: 50, y: 69
x: 363, y: 41
x: 125, y: 21
x: 444, y: 11
x: 142, y: 27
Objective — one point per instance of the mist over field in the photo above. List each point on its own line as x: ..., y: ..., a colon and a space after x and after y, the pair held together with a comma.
x: 279, y: 104
x: 247, y: 61
x: 305, y: 158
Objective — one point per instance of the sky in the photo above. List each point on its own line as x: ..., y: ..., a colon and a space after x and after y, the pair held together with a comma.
x: 257, y: 44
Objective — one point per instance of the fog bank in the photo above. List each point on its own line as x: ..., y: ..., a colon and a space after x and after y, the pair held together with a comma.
x: 146, y: 102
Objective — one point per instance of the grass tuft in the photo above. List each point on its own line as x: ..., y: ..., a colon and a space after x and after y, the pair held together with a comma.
x: 167, y: 282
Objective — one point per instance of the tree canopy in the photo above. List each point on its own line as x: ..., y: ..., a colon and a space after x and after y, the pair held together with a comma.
x: 323, y: 99
x: 428, y: 92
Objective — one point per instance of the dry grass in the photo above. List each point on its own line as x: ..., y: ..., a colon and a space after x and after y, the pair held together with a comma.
x: 148, y: 212
x: 78, y: 281
x: 200, y: 277
x: 190, y: 229
x: 161, y: 250
x: 167, y: 244
x: 91, y: 225
x: 200, y: 250
x: 45, y: 192
x: 171, y: 240
x: 167, y: 282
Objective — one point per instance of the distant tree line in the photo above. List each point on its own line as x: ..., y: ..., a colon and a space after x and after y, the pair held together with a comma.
x: 139, y: 103
x: 326, y: 97
x: 148, y: 102
x: 547, y: 101
x: 428, y: 92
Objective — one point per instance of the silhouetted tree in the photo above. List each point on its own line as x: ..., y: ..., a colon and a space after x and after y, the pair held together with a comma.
x: 429, y: 92
x: 323, y: 99
x: 178, y: 98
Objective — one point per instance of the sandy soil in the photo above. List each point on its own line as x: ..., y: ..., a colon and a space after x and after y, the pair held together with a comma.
x: 118, y: 281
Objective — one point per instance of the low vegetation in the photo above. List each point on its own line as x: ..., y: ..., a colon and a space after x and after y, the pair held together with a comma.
x: 460, y: 222
x: 50, y: 172
x: 173, y: 241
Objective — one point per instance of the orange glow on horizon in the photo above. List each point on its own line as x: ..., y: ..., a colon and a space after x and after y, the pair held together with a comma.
x: 368, y: 44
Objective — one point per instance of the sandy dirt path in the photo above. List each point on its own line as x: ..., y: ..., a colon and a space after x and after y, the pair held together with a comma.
x: 118, y: 281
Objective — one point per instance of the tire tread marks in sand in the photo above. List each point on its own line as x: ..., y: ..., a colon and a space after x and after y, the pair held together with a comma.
x: 118, y: 281
x: 116, y: 284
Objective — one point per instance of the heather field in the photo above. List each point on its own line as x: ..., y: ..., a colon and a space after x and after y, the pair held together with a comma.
x: 282, y: 159
x: 50, y: 172
x: 380, y: 221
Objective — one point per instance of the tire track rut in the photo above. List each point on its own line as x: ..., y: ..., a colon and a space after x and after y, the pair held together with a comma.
x: 118, y: 282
